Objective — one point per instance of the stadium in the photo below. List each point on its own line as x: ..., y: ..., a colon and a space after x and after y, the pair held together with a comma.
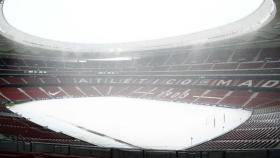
x: 208, y: 94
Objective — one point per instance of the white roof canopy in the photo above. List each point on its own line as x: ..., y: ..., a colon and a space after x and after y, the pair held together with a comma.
x: 129, y: 25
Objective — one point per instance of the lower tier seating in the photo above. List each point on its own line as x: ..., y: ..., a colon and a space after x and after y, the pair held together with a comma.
x: 17, y: 128
x: 262, y: 130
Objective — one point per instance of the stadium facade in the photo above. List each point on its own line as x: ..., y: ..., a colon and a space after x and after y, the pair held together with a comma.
x: 234, y: 68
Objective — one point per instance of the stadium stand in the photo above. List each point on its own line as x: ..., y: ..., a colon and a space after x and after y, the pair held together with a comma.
x: 233, y: 74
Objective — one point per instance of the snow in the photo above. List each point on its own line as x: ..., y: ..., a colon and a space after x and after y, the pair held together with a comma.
x: 138, y: 122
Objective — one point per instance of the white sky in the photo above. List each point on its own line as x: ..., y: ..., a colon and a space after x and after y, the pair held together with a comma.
x: 144, y: 123
x: 113, y: 21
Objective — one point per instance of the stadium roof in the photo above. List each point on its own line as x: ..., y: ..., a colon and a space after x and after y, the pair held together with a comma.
x: 254, y: 21
x: 122, y: 21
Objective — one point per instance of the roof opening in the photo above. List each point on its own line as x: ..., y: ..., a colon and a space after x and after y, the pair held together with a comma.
x: 111, y: 21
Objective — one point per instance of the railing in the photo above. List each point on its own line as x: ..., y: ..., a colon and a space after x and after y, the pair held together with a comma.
x: 98, y: 152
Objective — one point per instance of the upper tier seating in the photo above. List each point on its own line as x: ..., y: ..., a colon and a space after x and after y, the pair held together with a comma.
x: 270, y: 54
x: 245, y: 55
x: 33, y: 80
x: 213, y: 59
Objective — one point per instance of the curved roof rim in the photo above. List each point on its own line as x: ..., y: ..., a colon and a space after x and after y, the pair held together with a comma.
x: 262, y: 16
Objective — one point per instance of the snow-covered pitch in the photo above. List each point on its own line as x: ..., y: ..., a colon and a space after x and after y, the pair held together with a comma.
x: 136, y: 122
